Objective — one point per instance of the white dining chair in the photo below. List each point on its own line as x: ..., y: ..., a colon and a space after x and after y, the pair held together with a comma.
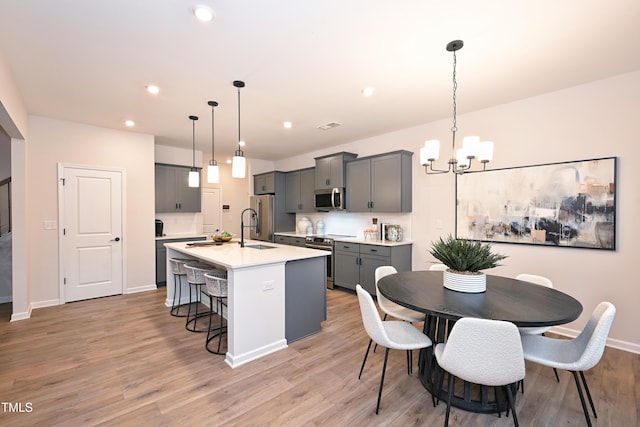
x: 538, y: 280
x: 391, y: 308
x: 438, y: 267
x: 574, y: 355
x: 535, y: 330
x: 482, y: 351
x: 392, y: 334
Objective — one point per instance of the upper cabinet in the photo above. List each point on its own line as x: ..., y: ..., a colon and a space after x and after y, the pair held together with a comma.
x: 330, y: 170
x: 379, y: 183
x: 270, y: 183
x: 264, y: 183
x: 173, y: 193
x: 300, y: 186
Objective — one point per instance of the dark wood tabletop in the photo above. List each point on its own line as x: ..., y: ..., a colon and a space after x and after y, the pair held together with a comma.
x: 522, y: 303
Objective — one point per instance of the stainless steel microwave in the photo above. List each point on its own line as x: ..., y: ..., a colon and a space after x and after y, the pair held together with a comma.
x: 329, y: 199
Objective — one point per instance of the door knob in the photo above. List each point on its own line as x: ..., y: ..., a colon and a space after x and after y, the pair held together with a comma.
x: 117, y: 239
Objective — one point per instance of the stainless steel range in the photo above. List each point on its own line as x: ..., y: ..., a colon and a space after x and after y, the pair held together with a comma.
x: 325, y: 242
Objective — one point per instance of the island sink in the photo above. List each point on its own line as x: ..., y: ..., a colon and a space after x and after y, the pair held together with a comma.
x: 259, y: 246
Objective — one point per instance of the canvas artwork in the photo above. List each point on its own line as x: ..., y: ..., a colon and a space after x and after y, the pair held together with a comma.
x: 569, y: 204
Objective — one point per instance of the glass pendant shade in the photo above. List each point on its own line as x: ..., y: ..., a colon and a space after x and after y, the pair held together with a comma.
x: 430, y: 151
x: 485, y: 153
x: 194, y: 178
x: 238, y: 166
x: 471, y: 145
x: 213, y: 173
x: 461, y: 156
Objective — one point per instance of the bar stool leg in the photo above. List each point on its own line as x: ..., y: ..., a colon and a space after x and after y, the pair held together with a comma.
x: 177, y: 290
x: 220, y: 330
x: 194, y: 319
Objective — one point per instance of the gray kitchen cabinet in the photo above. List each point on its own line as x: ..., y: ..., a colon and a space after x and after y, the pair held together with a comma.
x: 173, y: 193
x: 290, y: 240
x: 300, y: 185
x: 264, y: 183
x: 379, y: 183
x: 161, y: 257
x: 330, y: 170
x: 356, y: 263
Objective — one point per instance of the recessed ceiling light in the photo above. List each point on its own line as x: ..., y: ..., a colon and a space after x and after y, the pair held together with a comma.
x: 368, y: 91
x: 129, y: 123
x: 204, y: 13
x: 153, y: 89
x: 287, y: 125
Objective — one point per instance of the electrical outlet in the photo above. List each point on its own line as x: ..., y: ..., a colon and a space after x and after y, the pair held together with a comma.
x: 439, y: 224
x: 50, y: 224
x: 268, y: 285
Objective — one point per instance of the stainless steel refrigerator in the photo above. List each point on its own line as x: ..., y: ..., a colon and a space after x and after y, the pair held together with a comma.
x: 263, y: 226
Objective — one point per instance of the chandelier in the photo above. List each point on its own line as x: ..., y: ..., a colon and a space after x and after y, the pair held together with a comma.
x: 472, y: 148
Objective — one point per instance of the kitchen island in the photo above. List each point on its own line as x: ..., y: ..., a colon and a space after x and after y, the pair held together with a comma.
x: 277, y: 293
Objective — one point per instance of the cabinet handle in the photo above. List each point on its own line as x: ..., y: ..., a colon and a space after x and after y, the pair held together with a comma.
x: 374, y: 250
x: 328, y: 181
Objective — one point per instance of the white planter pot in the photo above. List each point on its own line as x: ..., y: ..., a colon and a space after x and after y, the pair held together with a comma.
x: 470, y: 283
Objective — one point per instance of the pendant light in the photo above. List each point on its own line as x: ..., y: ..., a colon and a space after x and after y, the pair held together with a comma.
x: 239, y: 165
x: 213, y: 171
x: 194, y: 175
x: 461, y: 158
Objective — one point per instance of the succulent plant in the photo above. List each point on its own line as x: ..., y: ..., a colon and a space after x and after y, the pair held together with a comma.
x: 465, y: 255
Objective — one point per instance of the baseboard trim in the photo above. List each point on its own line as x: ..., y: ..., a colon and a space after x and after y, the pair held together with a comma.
x: 21, y: 316
x: 145, y: 288
x: 4, y: 300
x: 48, y: 303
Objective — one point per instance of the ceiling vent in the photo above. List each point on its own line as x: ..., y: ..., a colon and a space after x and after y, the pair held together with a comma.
x: 329, y: 125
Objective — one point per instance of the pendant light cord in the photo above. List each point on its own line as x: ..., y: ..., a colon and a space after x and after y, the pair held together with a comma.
x: 239, y: 119
x: 454, y: 128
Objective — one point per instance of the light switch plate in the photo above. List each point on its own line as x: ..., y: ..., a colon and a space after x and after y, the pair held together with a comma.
x: 50, y: 224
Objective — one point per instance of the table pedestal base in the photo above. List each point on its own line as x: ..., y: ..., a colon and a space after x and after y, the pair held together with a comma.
x: 467, y: 396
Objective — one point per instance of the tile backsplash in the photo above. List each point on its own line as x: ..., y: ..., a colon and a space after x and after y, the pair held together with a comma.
x: 354, y: 224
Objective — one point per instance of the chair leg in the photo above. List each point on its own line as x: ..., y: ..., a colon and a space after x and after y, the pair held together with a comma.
x: 586, y: 387
x: 384, y: 368
x: 375, y: 347
x: 584, y: 405
x: 409, y: 362
x: 446, y: 417
x: 555, y: 371
x: 511, y: 404
x: 365, y: 358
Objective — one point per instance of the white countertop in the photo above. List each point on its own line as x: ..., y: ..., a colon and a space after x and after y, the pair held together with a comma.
x: 291, y: 234
x: 180, y: 236
x: 232, y: 256
x: 362, y: 240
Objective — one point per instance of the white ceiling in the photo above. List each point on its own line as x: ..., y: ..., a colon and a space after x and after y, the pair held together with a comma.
x: 302, y: 60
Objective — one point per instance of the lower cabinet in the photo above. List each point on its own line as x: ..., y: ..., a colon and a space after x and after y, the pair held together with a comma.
x: 356, y: 263
x: 161, y: 258
x: 290, y: 240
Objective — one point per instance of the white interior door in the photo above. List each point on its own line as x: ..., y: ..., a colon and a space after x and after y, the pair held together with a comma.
x: 91, y: 247
x: 211, y: 210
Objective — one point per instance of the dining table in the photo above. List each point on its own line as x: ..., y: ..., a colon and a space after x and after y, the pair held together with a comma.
x: 523, y: 303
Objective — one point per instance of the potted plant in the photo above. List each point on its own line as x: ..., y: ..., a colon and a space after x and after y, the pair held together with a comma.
x: 465, y: 259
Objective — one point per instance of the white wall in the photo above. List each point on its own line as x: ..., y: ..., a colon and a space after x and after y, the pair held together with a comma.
x: 14, y: 121
x: 583, y: 122
x: 55, y: 141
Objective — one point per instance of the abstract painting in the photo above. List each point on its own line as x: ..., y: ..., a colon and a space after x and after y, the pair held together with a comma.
x: 570, y: 204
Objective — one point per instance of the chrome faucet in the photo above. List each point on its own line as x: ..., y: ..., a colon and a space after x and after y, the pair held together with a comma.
x: 254, y: 214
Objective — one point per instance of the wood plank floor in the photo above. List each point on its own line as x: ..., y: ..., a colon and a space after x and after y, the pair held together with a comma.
x: 124, y: 361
